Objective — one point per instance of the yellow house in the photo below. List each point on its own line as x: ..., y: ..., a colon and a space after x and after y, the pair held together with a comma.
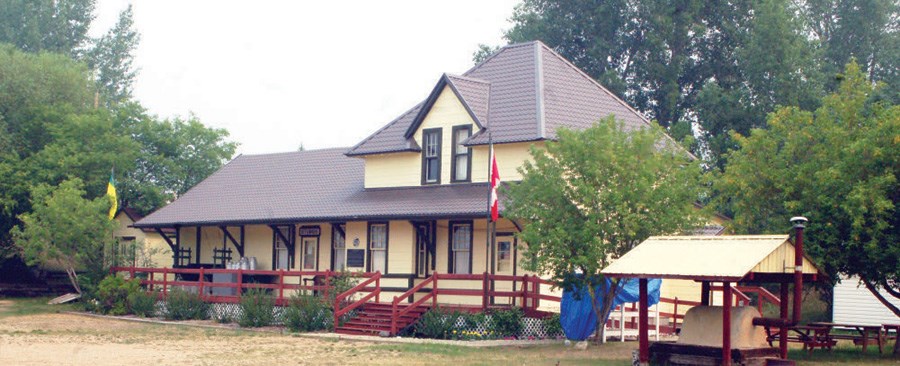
x: 141, y: 247
x: 408, y: 201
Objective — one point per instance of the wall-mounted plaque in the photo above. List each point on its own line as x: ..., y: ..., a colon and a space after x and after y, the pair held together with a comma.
x: 356, y: 258
x: 309, y: 231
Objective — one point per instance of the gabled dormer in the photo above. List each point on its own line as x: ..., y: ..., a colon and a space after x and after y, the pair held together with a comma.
x: 517, y: 98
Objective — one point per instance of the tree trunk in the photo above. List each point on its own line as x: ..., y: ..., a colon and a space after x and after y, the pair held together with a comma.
x: 602, y: 309
x: 881, y: 298
x: 73, y: 278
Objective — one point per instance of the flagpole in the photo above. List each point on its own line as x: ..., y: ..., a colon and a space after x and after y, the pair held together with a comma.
x: 487, y: 236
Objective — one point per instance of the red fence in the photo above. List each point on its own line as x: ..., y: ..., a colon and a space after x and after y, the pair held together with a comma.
x: 157, y: 279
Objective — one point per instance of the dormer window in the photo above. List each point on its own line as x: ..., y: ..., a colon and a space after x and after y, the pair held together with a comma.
x: 431, y: 156
x: 461, y: 169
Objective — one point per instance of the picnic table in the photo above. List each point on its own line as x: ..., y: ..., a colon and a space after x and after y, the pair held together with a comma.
x: 811, y: 336
x: 864, y: 334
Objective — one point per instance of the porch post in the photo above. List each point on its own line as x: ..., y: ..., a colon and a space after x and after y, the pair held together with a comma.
x: 782, y: 330
x: 704, y: 293
x: 197, y: 243
x: 643, y: 317
x: 726, y: 323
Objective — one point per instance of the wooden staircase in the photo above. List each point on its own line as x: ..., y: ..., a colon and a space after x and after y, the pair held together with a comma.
x: 373, y: 318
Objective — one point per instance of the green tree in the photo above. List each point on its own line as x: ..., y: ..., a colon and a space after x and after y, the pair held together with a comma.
x: 64, y: 228
x: 58, y: 26
x: 595, y: 194
x: 112, y: 59
x: 838, y: 166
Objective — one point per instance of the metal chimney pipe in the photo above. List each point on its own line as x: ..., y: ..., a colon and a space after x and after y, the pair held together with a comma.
x: 799, y: 224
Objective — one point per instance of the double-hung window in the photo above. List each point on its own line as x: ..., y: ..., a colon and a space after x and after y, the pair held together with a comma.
x: 461, y: 248
x: 461, y: 168
x: 431, y: 156
x: 378, y: 242
x: 339, y: 244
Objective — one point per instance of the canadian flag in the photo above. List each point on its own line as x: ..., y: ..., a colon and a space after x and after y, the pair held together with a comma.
x: 495, y: 181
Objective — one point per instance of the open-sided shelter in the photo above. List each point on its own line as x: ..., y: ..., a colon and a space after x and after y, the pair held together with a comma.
x: 728, y: 260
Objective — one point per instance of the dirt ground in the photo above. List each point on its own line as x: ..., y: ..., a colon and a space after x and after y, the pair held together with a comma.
x: 66, y: 339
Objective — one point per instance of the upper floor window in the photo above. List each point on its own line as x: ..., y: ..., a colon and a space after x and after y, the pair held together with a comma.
x: 431, y: 156
x: 461, y: 169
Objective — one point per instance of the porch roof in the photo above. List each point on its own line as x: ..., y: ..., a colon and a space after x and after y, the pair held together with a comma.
x: 306, y: 186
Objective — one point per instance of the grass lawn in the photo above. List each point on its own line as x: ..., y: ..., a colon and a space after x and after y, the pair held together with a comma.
x: 33, y: 333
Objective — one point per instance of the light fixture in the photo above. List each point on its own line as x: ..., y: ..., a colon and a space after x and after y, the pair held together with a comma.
x: 356, y: 242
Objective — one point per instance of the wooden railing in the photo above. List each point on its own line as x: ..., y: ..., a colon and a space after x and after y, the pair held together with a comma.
x: 280, y: 281
x: 362, y: 286
x: 675, y: 316
x: 762, y: 296
x: 397, y: 313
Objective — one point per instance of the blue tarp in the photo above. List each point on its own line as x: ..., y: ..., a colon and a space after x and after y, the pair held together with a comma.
x: 577, y: 316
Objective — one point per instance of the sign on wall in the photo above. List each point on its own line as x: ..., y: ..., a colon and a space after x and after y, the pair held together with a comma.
x: 356, y: 258
x: 309, y: 231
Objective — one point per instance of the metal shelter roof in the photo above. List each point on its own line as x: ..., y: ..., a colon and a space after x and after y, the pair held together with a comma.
x: 709, y: 258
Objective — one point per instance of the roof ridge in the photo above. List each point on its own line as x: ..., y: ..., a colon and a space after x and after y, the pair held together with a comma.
x: 468, y: 78
x: 292, y: 152
x: 380, y: 130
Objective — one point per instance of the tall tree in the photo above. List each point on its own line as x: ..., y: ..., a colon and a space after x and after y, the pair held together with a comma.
x: 595, y: 194
x: 838, y: 166
x: 58, y: 26
x: 867, y: 30
x: 65, y: 228
x: 112, y: 59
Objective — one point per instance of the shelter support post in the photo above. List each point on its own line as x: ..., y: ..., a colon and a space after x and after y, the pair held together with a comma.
x: 782, y: 334
x: 798, y: 272
x: 643, y: 317
x: 726, y: 323
x: 704, y: 293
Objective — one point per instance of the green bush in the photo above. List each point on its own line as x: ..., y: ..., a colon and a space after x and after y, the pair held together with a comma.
x: 552, y: 326
x: 340, y: 282
x: 142, y: 303
x: 223, y: 318
x: 183, y: 305
x: 307, y: 313
x: 507, y: 323
x: 112, y: 295
x: 257, y: 309
x: 436, y: 323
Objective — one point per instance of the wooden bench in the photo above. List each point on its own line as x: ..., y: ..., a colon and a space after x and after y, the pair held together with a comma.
x: 863, y: 335
x: 811, y: 336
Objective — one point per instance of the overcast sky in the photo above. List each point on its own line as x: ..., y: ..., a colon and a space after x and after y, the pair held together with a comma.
x: 280, y: 73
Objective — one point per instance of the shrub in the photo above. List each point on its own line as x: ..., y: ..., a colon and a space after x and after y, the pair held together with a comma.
x: 223, y: 318
x: 340, y: 282
x: 436, y: 323
x: 552, y: 326
x: 142, y: 303
x: 507, y: 323
x: 307, y: 313
x: 183, y: 305
x: 257, y: 309
x: 112, y: 294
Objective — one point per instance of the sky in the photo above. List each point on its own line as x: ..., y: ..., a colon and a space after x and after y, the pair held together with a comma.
x: 278, y: 74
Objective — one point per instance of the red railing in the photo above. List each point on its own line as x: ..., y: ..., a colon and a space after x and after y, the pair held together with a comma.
x: 362, y: 286
x: 762, y: 296
x: 277, y: 281
x: 396, y: 313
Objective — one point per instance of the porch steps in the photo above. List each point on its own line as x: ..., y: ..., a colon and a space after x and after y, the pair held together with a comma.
x: 374, y: 318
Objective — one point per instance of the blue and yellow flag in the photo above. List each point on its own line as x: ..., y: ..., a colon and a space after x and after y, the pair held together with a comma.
x: 111, y: 192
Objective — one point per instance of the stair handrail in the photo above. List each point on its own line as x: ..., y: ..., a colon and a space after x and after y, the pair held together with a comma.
x: 338, y: 312
x: 397, y: 313
x: 762, y: 295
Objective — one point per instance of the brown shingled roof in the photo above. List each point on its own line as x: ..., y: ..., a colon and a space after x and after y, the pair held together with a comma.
x: 531, y: 91
x: 316, y: 185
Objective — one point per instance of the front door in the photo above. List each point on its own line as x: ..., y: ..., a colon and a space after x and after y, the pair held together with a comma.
x: 310, y: 252
x: 504, y: 264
